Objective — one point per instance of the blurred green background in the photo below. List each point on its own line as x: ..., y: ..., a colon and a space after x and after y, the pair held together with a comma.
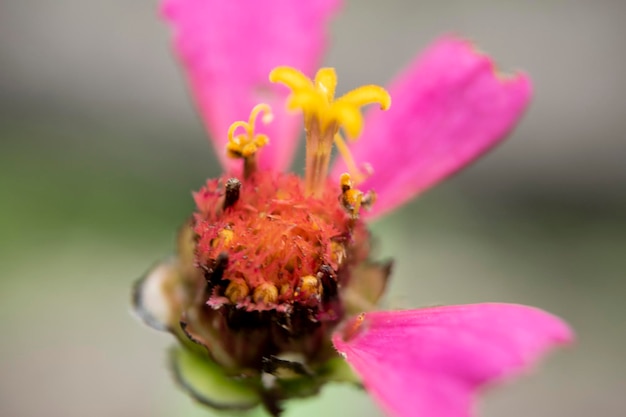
x: 100, y: 149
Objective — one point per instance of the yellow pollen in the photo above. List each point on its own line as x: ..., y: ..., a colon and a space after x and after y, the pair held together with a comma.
x: 324, y: 115
x: 225, y: 237
x: 338, y: 251
x: 285, y: 289
x: 353, y: 199
x: 309, y: 286
x: 246, y: 144
x: 265, y: 293
x: 237, y: 291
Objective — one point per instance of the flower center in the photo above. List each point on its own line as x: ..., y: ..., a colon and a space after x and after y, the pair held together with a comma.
x: 265, y: 244
x: 277, y: 251
x: 275, y: 241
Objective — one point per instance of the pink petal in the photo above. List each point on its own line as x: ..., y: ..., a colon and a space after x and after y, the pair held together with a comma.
x: 430, y: 362
x: 447, y: 108
x: 228, y: 49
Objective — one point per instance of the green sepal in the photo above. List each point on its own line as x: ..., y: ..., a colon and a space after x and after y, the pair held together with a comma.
x: 298, y: 387
x: 336, y: 369
x: 333, y: 370
x: 209, y: 384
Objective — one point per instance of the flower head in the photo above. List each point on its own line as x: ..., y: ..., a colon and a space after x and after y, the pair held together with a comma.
x: 273, y: 290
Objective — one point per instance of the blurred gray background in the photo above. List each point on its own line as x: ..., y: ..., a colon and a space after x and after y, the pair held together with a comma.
x: 100, y: 148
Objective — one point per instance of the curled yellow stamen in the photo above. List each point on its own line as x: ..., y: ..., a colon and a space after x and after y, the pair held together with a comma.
x: 324, y: 116
x: 245, y: 145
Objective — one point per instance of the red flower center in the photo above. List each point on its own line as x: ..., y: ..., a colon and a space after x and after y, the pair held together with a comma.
x: 265, y: 244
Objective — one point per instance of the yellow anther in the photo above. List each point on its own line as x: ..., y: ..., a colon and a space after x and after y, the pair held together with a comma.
x: 246, y: 144
x: 286, y: 289
x: 324, y: 116
x: 309, y: 286
x: 265, y: 293
x: 238, y: 144
x: 224, y: 237
x: 353, y: 199
x: 237, y: 291
x: 345, y: 181
x: 338, y: 251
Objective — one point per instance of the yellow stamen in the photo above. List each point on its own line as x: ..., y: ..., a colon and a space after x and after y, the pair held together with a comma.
x: 308, y: 287
x: 291, y: 77
x: 345, y: 153
x: 247, y: 144
x: 367, y: 94
x: 326, y: 82
x: 237, y: 291
x: 266, y: 118
x: 225, y: 237
x: 353, y: 199
x: 265, y: 293
x: 324, y: 116
x: 338, y: 252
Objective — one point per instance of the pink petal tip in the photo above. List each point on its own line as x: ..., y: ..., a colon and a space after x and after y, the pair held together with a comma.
x: 431, y: 361
x: 228, y: 49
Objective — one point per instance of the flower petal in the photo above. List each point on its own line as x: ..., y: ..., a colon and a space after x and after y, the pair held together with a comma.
x: 448, y: 108
x: 158, y: 295
x: 229, y: 48
x: 431, y: 361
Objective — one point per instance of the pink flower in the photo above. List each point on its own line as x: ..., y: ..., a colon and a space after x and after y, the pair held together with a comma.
x: 272, y: 268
